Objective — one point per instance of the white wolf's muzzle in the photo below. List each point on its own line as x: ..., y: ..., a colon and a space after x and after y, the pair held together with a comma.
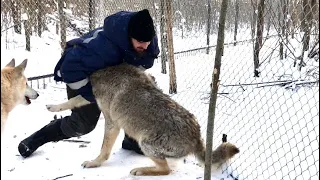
x: 29, y: 94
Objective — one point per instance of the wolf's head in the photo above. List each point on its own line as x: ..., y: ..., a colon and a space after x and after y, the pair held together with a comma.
x: 16, y: 82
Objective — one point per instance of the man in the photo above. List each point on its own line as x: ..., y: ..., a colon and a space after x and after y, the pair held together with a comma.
x: 125, y: 37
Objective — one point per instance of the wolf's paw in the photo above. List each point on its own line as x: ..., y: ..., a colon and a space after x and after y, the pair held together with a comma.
x: 91, y: 164
x: 53, y: 108
x: 136, y: 172
x: 149, y: 171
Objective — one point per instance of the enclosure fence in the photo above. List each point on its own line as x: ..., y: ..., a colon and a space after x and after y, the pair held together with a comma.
x: 268, y: 98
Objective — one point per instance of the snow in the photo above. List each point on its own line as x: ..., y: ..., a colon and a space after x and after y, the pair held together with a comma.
x: 62, y: 158
x: 276, y: 129
x: 24, y: 17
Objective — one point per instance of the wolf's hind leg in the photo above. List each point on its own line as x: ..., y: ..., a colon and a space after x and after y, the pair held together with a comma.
x: 110, y: 135
x: 161, y: 168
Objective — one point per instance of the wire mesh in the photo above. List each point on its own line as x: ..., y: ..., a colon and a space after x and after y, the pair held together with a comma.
x: 268, y: 107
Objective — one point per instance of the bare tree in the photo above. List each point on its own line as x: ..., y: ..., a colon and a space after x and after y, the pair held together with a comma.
x: 306, y: 24
x: 236, y: 19
x: 214, y: 90
x: 163, y: 35
x: 294, y: 16
x: 32, y: 16
x: 253, y: 17
x: 284, y: 26
x: 41, y: 17
x: 16, y: 15
x: 28, y: 24
x: 91, y: 14
x: 258, y: 41
x: 172, y: 69
x: 62, y: 23
x: 28, y: 30
x: 208, y: 25
x: 214, y: 15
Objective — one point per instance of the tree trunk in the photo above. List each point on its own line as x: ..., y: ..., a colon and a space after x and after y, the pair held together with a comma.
x: 236, y: 23
x: 27, y: 28
x: 282, y: 28
x: 16, y: 15
x: 307, y: 22
x: 214, y: 12
x: 155, y: 11
x: 62, y: 24
x: 172, y: 69
x: 254, y: 18
x: 91, y: 14
x: 32, y: 17
x: 164, y: 57
x: 41, y: 17
x: 294, y: 16
x: 214, y: 90
x: 258, y: 43
x: 285, y: 23
x: 208, y: 26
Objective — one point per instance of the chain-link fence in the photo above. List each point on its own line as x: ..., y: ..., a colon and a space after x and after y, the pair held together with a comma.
x: 268, y: 99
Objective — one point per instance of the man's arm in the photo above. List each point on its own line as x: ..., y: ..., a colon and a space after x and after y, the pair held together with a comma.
x: 76, y: 71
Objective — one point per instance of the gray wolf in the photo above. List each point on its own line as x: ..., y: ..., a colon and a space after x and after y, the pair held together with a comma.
x: 129, y: 99
x: 125, y: 36
x: 14, y: 89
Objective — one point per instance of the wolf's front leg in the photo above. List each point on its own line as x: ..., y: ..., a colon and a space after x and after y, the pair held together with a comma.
x: 72, y: 103
x: 110, y: 135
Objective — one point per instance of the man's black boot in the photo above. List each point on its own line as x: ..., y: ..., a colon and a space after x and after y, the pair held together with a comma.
x: 130, y: 144
x: 49, y: 133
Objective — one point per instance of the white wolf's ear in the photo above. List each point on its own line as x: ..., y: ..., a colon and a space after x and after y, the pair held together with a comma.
x: 11, y: 63
x: 23, y: 65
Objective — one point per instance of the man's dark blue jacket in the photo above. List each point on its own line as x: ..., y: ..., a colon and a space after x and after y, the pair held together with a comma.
x: 105, y: 46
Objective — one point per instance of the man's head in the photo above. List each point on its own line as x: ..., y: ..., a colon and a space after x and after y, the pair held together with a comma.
x: 141, y: 30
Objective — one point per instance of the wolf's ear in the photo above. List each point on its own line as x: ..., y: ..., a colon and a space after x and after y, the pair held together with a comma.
x: 23, y: 65
x: 11, y: 63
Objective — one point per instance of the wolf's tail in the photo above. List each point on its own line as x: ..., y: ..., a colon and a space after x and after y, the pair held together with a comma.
x: 220, y: 155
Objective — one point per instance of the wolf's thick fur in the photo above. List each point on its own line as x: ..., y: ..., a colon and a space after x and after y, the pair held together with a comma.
x: 14, y: 89
x: 129, y: 99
